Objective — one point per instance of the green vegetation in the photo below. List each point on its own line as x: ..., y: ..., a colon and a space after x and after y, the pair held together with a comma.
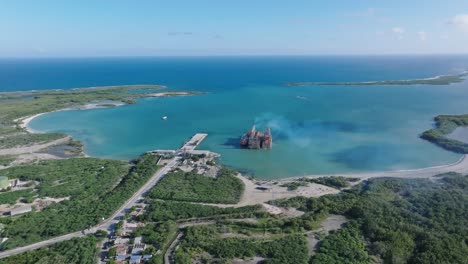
x: 403, y: 220
x: 19, y: 104
x: 157, y: 234
x: 294, y: 185
x: 6, y: 160
x: 439, y: 80
x: 169, y: 210
x: 25, y: 139
x: 10, y: 197
x: 75, y: 251
x: 191, y: 187
x: 96, y: 189
x: 198, y: 239
x: 347, y: 245
x: 445, y: 124
x: 79, y: 178
x: 338, y: 182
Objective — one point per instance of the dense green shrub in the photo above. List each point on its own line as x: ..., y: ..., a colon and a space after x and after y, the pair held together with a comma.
x: 74, y: 251
x: 96, y: 189
x: 191, y: 187
x: 171, y: 210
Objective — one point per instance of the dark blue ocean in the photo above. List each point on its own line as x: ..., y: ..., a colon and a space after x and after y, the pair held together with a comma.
x: 316, y: 129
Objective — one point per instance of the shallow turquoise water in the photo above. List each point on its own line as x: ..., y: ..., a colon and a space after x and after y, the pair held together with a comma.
x: 316, y: 129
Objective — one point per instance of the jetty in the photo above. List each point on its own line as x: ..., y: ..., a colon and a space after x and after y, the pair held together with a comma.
x: 188, y: 148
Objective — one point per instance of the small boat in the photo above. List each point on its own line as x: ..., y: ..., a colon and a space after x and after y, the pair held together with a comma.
x: 164, y: 118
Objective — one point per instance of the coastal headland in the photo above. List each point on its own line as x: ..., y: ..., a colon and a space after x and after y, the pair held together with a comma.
x: 437, y: 80
x: 19, y: 108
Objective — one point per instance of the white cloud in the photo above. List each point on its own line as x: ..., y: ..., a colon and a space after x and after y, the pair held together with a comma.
x: 422, y: 35
x: 398, y: 30
x: 380, y: 33
x: 461, y: 22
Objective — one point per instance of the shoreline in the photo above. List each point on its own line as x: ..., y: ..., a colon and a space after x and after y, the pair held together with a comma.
x: 459, y: 166
x: 24, y: 121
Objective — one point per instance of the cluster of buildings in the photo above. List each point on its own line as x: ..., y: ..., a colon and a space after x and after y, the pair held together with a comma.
x: 126, y: 250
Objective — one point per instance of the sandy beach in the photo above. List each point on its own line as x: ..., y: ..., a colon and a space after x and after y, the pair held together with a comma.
x: 164, y: 94
x: 24, y: 121
x: 461, y: 166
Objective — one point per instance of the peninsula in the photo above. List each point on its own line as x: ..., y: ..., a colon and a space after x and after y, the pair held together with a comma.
x: 438, y: 80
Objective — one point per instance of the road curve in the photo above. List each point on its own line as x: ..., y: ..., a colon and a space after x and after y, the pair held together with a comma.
x: 105, y: 225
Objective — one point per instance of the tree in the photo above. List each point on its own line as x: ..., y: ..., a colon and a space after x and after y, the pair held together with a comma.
x: 112, y: 252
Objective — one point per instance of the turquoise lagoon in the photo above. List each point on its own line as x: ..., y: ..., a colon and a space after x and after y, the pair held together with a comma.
x: 316, y: 129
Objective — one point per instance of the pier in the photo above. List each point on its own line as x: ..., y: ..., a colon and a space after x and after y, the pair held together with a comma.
x: 188, y: 148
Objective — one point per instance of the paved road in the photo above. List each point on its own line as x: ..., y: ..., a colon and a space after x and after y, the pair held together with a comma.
x: 107, y: 224
x: 460, y: 166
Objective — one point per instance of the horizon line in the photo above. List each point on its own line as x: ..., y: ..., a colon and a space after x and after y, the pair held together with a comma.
x: 236, y: 55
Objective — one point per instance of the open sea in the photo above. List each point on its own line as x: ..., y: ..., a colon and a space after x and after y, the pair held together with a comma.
x: 316, y: 129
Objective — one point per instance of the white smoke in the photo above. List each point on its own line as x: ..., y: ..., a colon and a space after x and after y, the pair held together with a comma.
x: 282, y: 128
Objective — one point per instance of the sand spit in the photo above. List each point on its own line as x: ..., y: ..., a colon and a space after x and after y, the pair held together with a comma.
x: 35, y: 147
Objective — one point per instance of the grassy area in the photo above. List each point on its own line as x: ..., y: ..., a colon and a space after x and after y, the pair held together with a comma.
x: 96, y: 189
x: 75, y: 251
x: 191, y: 187
x: 445, y: 124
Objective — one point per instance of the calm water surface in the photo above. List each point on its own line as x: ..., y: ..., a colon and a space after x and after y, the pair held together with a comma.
x: 316, y: 129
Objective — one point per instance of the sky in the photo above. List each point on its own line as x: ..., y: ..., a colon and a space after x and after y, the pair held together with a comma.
x: 89, y: 28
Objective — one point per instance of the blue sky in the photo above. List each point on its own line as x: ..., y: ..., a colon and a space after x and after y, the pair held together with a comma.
x: 56, y: 28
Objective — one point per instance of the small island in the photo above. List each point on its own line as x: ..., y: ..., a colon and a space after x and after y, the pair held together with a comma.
x: 438, y: 80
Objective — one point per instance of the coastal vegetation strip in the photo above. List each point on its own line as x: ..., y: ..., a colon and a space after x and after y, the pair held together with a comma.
x: 444, y: 125
x: 438, y: 80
